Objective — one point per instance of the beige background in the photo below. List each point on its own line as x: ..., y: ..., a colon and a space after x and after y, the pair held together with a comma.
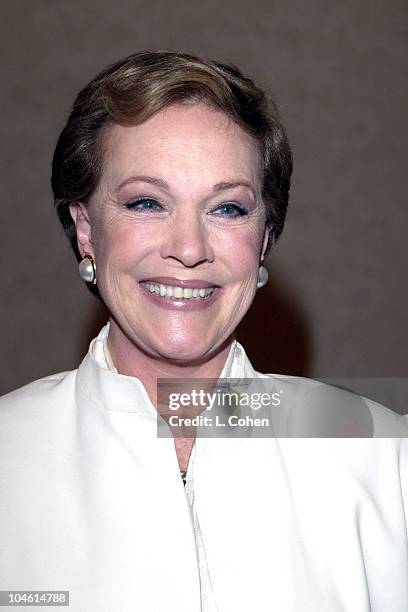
x: 337, y: 301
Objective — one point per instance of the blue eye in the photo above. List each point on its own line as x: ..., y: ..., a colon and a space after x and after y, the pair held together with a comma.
x: 230, y: 209
x: 144, y: 205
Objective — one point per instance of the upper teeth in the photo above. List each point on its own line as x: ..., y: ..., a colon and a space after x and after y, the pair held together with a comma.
x: 179, y: 292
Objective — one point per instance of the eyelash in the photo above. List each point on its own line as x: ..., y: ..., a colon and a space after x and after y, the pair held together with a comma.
x: 133, y: 204
x: 240, y: 211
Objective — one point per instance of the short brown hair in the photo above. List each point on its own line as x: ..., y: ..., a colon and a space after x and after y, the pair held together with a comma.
x: 133, y: 90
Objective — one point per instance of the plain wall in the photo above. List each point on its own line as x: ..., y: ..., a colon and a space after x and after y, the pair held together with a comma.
x: 336, y: 304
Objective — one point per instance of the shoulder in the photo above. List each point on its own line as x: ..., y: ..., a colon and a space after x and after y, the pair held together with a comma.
x: 313, y: 408
x: 35, y: 421
x: 38, y: 396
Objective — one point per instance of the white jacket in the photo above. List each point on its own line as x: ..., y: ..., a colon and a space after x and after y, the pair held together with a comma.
x: 91, y: 501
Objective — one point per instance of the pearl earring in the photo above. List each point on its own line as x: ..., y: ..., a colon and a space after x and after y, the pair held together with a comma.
x: 87, y: 269
x: 262, y: 277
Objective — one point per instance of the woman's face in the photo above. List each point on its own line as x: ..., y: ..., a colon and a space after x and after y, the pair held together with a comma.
x: 177, y: 210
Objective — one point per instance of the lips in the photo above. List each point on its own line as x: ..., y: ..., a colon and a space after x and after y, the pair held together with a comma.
x: 172, y: 295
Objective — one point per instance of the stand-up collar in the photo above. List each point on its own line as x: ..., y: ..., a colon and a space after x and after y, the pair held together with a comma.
x: 100, y: 382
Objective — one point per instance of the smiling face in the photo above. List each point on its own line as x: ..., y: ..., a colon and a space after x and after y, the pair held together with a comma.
x: 177, y: 230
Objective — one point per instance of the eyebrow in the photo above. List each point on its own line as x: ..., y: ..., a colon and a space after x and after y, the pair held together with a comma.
x: 224, y: 185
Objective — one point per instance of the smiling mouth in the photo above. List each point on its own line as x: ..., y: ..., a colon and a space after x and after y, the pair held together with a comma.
x: 178, y: 293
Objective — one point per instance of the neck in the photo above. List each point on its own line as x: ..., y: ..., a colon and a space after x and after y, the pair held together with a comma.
x: 131, y: 360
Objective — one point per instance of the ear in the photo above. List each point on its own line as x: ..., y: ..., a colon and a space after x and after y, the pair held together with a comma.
x: 80, y: 216
x: 265, y: 241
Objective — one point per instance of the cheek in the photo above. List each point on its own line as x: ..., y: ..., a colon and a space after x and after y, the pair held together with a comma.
x: 122, y: 243
x: 242, y: 248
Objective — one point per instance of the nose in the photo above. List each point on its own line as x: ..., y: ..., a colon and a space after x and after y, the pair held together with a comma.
x: 186, y: 240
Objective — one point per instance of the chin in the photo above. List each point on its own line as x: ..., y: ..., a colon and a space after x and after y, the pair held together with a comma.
x: 185, y: 350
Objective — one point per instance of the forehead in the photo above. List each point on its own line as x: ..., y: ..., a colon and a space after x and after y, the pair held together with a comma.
x: 188, y: 141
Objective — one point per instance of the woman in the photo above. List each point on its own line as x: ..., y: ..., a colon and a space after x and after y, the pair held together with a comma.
x: 171, y: 180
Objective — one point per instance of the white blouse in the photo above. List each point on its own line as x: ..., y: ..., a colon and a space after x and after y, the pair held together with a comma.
x: 92, y: 502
